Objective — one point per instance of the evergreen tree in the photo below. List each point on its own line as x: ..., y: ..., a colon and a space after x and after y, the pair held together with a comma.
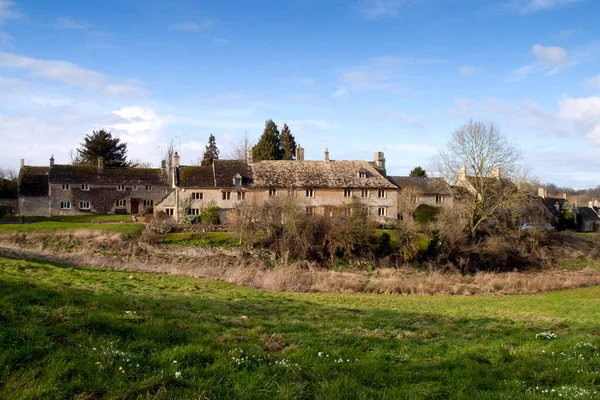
x: 269, y: 145
x: 418, y: 172
x: 101, y: 144
x: 288, y: 143
x: 211, y: 153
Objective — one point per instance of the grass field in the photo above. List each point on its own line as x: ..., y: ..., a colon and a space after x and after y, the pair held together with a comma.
x: 130, y: 229
x: 221, y: 239
x: 75, y: 332
x: 76, y: 218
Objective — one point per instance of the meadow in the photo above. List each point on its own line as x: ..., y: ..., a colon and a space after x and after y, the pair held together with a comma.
x: 87, y: 333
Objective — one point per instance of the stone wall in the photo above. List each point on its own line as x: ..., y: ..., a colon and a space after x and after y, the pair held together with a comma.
x: 34, y: 206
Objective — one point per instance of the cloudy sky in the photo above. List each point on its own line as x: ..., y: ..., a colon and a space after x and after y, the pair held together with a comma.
x: 354, y: 76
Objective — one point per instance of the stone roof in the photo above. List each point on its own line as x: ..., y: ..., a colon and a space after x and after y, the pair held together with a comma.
x: 91, y: 175
x: 225, y: 170
x: 587, y: 214
x: 33, y: 181
x: 190, y: 177
x: 428, y: 186
x: 317, y: 174
x: 219, y: 175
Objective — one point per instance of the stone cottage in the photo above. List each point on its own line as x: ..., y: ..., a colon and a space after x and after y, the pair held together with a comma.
x: 431, y: 191
x: 84, y: 189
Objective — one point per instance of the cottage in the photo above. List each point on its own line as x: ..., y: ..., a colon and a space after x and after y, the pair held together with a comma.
x: 431, y: 191
x: 83, y: 189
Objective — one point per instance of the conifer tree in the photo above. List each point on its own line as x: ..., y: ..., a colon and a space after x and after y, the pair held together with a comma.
x: 288, y: 143
x: 418, y: 172
x: 101, y: 144
x: 211, y: 153
x: 269, y: 145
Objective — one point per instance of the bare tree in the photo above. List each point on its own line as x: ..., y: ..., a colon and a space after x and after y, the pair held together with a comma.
x: 408, y: 201
x: 480, y: 161
x: 138, y: 163
x: 8, y: 173
x: 169, y: 157
x: 239, y: 150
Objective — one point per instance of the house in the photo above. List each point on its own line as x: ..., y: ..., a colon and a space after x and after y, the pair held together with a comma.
x: 9, y: 197
x: 323, y: 187
x: 83, y: 189
x: 431, y: 191
x: 586, y: 219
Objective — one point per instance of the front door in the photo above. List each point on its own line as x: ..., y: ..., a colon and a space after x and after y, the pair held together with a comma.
x: 135, y: 206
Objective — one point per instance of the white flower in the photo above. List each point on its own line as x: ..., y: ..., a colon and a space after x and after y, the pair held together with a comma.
x: 320, y: 353
x: 178, y: 374
x: 174, y: 362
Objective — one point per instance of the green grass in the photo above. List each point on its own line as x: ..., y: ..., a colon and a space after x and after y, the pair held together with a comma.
x: 220, y: 239
x: 73, y: 331
x: 126, y: 229
x: 76, y: 218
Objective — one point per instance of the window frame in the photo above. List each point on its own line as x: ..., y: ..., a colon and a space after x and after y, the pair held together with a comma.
x: 169, y: 211
x: 310, y: 193
x: 121, y: 188
x: 197, y: 195
x: 272, y: 192
x: 364, y: 193
x: 382, y: 194
x: 85, y: 187
x: 241, y: 195
x: 82, y: 207
x: 65, y: 205
x: 146, y: 201
x: 226, y: 195
x: 347, y: 193
x: 439, y: 199
x: 148, y: 188
x: 135, y: 188
x: 121, y: 203
x: 66, y: 186
x: 382, y: 211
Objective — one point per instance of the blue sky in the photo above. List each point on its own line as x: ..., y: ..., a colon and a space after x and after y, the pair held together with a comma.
x: 353, y: 76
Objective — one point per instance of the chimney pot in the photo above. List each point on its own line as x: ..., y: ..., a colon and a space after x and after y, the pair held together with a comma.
x: 52, y: 160
x: 299, y: 153
x: 326, y: 155
x: 176, y: 160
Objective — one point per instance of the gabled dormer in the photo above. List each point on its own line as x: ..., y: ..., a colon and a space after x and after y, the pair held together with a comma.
x: 237, y: 180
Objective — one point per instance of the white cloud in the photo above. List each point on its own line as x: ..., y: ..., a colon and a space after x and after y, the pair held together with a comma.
x: 565, y: 33
x: 595, y: 81
x: 373, y: 9
x: 585, y: 113
x: 339, y: 93
x: 5, y: 39
x: 138, y: 125
x: 531, y: 6
x: 70, y: 74
x: 8, y: 11
x: 69, y: 23
x: 189, y: 26
x: 467, y: 70
x: 550, y: 55
x: 366, y: 80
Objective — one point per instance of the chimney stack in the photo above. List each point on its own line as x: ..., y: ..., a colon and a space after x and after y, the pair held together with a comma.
x: 590, y: 204
x: 176, y: 160
x: 565, y: 196
x: 100, y: 164
x: 52, y: 160
x: 299, y: 153
x: 249, y: 156
x: 380, y: 161
x: 462, y: 174
x: 163, y: 167
x: 542, y: 192
x: 22, y: 162
x: 326, y: 156
x: 496, y: 173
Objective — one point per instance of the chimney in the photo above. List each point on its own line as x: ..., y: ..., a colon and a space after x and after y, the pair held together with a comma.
x: 163, y: 167
x: 542, y: 192
x: 249, y: 156
x: 326, y: 156
x: 590, y: 204
x: 52, y: 160
x: 299, y: 153
x: 496, y: 173
x: 176, y: 160
x: 595, y: 203
x: 565, y: 196
x: 22, y: 162
x: 100, y: 164
x: 462, y: 174
x: 379, y: 161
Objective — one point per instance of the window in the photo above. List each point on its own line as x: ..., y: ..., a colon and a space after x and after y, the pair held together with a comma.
x: 121, y: 203
x: 381, y: 193
x: 85, y: 186
x: 310, y: 193
x: 135, y: 188
x: 241, y: 195
x: 148, y: 203
x: 84, y: 205
x: 272, y: 192
x: 194, y: 211
x: 65, y: 205
x: 364, y: 193
x: 65, y: 186
x: 121, y: 187
x: 226, y: 195
x: 382, y: 211
x: 197, y: 195
x: 439, y: 199
x: 169, y: 211
x: 148, y: 188
x: 310, y: 210
x: 363, y: 175
x: 347, y: 193
x: 237, y: 180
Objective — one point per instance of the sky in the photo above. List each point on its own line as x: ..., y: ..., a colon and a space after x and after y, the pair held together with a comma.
x: 356, y: 77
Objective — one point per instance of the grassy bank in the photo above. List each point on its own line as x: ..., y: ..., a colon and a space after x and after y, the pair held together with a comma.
x: 208, y: 239
x: 126, y: 229
x: 90, y: 218
x: 70, y: 332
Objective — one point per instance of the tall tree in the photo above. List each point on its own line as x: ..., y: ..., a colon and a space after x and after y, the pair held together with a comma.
x: 211, y: 153
x: 418, y: 172
x: 288, y: 143
x: 101, y: 144
x: 269, y: 145
x: 169, y: 157
x: 239, y: 151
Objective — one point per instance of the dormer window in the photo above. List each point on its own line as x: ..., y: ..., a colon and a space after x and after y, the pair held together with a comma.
x: 363, y: 174
x: 237, y: 180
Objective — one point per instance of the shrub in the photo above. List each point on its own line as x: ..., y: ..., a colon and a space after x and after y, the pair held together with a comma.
x: 210, y: 215
x: 383, y: 246
x: 425, y: 214
x: 149, y: 210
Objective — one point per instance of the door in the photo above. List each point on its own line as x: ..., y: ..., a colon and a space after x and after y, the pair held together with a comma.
x: 135, y: 206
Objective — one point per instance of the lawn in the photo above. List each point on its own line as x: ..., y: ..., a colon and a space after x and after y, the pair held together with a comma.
x: 75, y: 218
x: 76, y: 332
x: 129, y: 229
x: 221, y: 239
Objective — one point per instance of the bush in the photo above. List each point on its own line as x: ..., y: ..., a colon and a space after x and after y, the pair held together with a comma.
x: 149, y: 210
x: 383, y: 246
x: 210, y: 216
x: 425, y: 214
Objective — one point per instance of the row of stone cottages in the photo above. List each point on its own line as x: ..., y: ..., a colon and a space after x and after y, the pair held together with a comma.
x: 323, y: 186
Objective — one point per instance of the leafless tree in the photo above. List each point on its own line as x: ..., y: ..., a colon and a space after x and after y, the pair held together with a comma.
x: 141, y: 164
x: 8, y: 173
x: 489, y: 197
x: 408, y: 201
x: 240, y: 149
x: 169, y: 157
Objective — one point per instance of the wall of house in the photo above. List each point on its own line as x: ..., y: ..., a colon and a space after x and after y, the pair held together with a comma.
x: 431, y: 200
x: 10, y: 204
x: 102, y: 198
x: 34, y: 206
